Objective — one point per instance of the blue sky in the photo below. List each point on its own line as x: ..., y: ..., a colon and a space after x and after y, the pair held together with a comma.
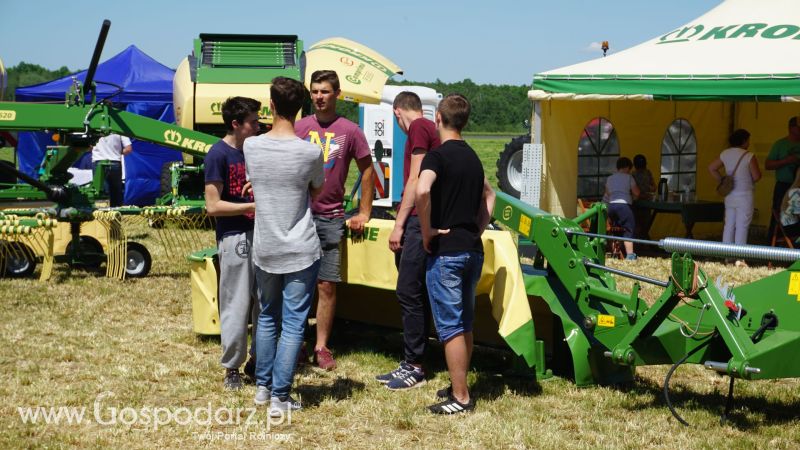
x: 499, y: 42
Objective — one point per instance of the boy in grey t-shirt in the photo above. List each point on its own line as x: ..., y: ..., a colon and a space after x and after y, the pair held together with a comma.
x: 285, y: 172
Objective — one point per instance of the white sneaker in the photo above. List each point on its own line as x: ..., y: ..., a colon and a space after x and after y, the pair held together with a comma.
x: 280, y: 408
x: 262, y: 395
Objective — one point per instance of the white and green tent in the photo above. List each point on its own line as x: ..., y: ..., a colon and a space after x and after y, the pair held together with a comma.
x: 737, y: 66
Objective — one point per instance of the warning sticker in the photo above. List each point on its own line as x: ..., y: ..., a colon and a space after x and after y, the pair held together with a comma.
x: 605, y: 320
x: 794, y: 284
x: 524, y: 224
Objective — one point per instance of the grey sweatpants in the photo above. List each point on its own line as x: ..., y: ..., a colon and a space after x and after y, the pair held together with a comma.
x: 237, y: 291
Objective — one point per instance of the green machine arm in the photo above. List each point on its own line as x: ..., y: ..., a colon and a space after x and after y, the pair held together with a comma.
x: 82, y: 120
x: 750, y: 332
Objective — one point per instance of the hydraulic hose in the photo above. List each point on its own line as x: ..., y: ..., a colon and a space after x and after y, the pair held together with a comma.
x: 672, y: 370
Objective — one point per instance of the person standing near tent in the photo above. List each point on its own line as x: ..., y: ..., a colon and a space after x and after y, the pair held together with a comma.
x: 225, y: 177
x: 783, y: 158
x: 112, y: 148
x: 621, y: 191
x: 341, y: 141
x: 743, y: 167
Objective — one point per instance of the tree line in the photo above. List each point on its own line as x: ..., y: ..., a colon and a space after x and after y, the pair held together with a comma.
x: 495, y: 108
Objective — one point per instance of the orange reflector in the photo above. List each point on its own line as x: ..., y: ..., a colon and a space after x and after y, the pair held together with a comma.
x: 56, y: 137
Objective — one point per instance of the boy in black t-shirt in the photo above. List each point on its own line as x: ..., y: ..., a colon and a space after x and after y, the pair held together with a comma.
x: 454, y: 203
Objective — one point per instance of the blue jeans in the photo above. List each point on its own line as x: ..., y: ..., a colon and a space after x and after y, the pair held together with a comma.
x: 451, y: 280
x: 285, y: 302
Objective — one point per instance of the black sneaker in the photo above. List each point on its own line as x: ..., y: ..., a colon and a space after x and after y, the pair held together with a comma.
x: 250, y: 371
x: 233, y: 380
x: 400, y: 370
x: 452, y: 406
x: 444, y: 394
x: 412, y: 377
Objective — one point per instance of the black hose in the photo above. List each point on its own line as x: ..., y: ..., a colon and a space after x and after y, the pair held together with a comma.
x: 672, y: 370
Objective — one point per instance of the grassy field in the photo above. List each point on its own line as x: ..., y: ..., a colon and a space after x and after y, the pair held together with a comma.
x: 125, y: 352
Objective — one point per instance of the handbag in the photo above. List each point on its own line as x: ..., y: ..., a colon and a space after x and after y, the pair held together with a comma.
x: 725, y: 185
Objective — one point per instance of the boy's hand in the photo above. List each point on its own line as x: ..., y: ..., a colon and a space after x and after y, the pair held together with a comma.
x: 395, y: 239
x: 428, y: 237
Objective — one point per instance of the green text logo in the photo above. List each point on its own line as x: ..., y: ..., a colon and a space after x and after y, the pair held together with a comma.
x: 748, y: 30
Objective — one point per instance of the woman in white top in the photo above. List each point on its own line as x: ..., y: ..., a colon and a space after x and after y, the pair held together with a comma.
x: 739, y: 202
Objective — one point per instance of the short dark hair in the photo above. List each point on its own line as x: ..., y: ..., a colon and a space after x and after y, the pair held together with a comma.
x: 738, y: 137
x: 454, y: 110
x: 330, y: 76
x: 238, y: 108
x: 288, y: 96
x: 639, y: 161
x: 624, y: 163
x: 793, y: 121
x: 407, y: 100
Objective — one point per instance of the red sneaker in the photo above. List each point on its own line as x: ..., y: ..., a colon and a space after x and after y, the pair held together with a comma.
x: 324, y: 359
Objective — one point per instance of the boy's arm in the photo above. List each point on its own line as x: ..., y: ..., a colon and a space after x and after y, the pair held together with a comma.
x: 407, y: 202
x: 485, y: 214
x: 216, y: 207
x: 356, y: 223
x: 423, y: 203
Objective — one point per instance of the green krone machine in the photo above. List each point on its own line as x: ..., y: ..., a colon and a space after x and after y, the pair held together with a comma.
x: 749, y: 332
x: 78, y: 123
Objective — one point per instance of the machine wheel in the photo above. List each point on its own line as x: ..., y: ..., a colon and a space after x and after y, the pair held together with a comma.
x: 166, y: 178
x: 90, y: 250
x: 509, y: 166
x: 20, y: 260
x: 138, y: 261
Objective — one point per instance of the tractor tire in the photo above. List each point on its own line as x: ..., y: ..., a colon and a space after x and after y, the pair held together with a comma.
x: 166, y: 178
x: 20, y: 261
x: 509, y: 166
x: 138, y: 261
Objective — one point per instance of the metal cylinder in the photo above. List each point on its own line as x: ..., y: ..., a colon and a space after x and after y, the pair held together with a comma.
x: 719, y: 249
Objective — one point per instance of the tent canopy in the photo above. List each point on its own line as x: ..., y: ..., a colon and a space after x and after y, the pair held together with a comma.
x: 733, y: 67
x: 146, y: 89
x: 142, y: 79
x: 740, y: 50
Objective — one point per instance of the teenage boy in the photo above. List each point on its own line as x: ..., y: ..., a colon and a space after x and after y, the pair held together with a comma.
x: 224, y: 179
x: 783, y: 159
x: 406, y: 242
x: 454, y: 202
x: 283, y: 171
x: 341, y: 141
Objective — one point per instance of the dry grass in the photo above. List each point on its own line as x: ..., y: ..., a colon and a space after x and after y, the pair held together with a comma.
x: 80, y: 335
x: 67, y: 341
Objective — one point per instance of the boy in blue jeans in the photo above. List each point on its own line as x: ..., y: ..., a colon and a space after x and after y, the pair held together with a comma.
x: 454, y: 203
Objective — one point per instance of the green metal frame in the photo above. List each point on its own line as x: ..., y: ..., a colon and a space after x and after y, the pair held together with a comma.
x: 609, y: 332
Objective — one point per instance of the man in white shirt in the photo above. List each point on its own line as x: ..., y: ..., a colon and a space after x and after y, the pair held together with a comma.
x: 112, y: 148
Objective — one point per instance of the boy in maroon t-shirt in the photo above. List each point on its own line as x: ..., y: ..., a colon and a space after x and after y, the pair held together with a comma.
x: 406, y: 242
x: 341, y: 141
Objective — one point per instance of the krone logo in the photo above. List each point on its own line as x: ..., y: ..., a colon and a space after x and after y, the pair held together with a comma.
x: 172, y: 137
x: 346, y: 61
x: 352, y: 79
x: 507, y: 212
x: 216, y: 108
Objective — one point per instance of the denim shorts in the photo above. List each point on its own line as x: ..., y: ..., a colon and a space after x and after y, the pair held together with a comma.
x: 451, y: 280
x: 330, y: 232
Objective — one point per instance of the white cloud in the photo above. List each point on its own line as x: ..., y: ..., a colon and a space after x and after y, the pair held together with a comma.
x: 594, y: 47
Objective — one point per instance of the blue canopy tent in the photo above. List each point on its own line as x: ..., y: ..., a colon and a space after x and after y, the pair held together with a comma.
x: 146, y: 90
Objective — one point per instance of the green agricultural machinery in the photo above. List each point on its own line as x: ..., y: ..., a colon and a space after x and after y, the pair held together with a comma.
x: 748, y: 332
x: 27, y: 232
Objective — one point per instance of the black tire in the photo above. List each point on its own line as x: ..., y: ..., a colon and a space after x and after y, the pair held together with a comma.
x: 20, y: 261
x: 509, y: 166
x: 91, y: 250
x: 138, y: 262
x: 166, y: 178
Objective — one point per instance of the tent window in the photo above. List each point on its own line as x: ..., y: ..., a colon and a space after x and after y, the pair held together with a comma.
x: 598, y: 150
x: 679, y: 156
